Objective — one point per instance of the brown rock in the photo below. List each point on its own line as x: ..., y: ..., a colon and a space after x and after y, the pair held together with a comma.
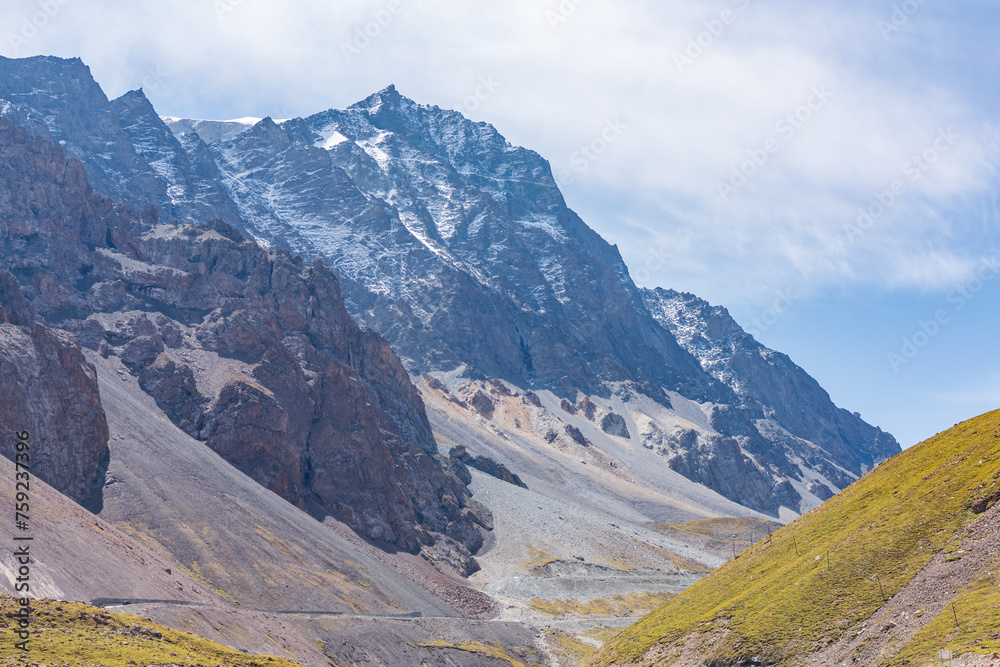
x: 482, y: 404
x: 577, y: 436
x: 323, y: 413
x: 48, y: 389
x: 587, y: 408
x: 614, y: 424
x: 532, y: 398
x: 141, y: 352
x: 461, y: 455
x: 980, y: 505
x: 176, y: 392
x: 247, y: 427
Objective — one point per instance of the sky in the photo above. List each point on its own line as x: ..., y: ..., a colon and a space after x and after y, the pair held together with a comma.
x: 825, y: 170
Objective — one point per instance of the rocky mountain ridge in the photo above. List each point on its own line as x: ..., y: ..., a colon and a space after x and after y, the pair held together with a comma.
x: 249, y: 350
x: 786, y: 401
x: 459, y: 248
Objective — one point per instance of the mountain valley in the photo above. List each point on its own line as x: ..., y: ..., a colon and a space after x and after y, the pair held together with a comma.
x: 361, y: 388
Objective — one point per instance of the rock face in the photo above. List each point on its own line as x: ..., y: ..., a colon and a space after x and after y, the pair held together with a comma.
x: 48, y: 389
x: 486, y: 465
x: 784, y: 402
x: 458, y: 248
x: 248, y: 349
x: 614, y: 424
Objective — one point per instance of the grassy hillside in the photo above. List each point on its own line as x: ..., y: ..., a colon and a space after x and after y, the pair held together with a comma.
x: 70, y: 634
x: 815, y: 584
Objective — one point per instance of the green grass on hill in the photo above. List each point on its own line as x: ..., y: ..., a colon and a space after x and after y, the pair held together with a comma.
x: 978, y: 611
x: 820, y: 575
x: 71, y: 634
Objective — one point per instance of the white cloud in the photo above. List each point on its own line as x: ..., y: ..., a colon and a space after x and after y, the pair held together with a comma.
x: 656, y: 185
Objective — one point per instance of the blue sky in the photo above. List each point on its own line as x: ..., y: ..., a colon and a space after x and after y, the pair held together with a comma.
x: 828, y: 172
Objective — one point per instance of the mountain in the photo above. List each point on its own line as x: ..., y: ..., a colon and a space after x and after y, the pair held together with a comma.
x: 901, y: 564
x: 788, y: 403
x: 551, y: 442
x: 459, y: 248
x: 167, y: 373
x: 250, y: 351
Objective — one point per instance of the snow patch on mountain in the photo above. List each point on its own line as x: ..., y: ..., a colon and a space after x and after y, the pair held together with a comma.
x: 460, y: 248
x: 210, y: 131
x: 331, y: 137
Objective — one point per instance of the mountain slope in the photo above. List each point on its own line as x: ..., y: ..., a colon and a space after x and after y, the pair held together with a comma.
x: 879, y: 574
x: 248, y: 350
x: 78, y: 635
x: 78, y: 556
x: 787, y: 402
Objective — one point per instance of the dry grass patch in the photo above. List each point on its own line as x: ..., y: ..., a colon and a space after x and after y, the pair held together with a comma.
x: 71, y: 634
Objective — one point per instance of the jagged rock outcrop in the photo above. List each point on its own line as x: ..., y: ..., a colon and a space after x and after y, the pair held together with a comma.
x: 614, y: 424
x: 176, y: 392
x: 786, y: 404
x: 486, y: 465
x: 249, y: 349
x: 48, y: 389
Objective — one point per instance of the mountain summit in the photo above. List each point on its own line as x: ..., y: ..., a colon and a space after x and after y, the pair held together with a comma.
x: 460, y: 249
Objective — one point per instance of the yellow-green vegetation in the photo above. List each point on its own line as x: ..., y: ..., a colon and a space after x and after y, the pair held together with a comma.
x: 618, y: 606
x: 978, y: 615
x: 820, y: 575
x: 491, y: 650
x: 195, y: 573
x: 538, y: 558
x: 78, y: 635
x: 569, y: 645
x: 573, y: 646
x: 723, y: 529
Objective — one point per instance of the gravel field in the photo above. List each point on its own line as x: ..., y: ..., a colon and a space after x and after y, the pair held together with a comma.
x: 589, y: 526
